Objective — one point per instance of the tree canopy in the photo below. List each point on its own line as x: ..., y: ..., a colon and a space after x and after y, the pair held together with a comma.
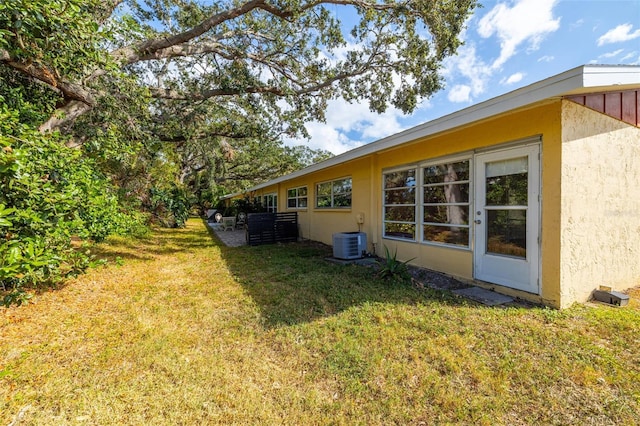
x: 282, y: 59
x: 216, y: 74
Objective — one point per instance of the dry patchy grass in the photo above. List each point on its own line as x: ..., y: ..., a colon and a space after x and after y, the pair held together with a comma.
x: 182, y: 330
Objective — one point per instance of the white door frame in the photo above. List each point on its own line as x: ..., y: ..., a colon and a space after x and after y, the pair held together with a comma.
x: 521, y: 273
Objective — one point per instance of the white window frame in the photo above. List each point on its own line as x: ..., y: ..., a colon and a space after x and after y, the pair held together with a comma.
x: 415, y: 203
x: 333, y: 194
x: 271, y: 202
x: 297, y: 198
x: 468, y: 157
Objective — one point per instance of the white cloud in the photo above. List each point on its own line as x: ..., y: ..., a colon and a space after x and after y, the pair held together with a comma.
x: 459, y: 93
x: 611, y: 54
x: 343, y: 119
x: 467, y: 74
x: 326, y: 137
x: 357, y: 117
x: 527, y: 21
x: 546, y: 58
x: 513, y: 78
x: 468, y: 65
x: 619, y: 34
x: 577, y: 24
x: 629, y: 56
x: 513, y: 23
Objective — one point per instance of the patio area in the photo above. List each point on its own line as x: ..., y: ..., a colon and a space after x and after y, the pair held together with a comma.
x: 235, y: 238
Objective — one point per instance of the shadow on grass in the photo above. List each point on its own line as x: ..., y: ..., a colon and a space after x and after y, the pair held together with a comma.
x: 290, y: 283
x: 293, y: 283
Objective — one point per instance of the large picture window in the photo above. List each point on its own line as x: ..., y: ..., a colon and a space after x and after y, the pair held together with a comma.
x: 334, y: 194
x: 400, y: 204
x: 445, y: 211
x: 297, y: 198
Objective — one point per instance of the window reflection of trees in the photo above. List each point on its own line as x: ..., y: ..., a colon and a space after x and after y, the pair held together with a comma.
x: 400, y: 204
x: 271, y: 203
x: 508, y: 190
x: 334, y: 194
x: 297, y: 197
x: 507, y: 228
x: 446, y: 203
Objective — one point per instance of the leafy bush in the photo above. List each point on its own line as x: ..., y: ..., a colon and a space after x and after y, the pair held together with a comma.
x: 169, y: 207
x: 48, y: 194
x: 248, y: 206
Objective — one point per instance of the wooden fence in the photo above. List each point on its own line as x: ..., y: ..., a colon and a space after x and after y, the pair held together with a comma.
x: 270, y: 228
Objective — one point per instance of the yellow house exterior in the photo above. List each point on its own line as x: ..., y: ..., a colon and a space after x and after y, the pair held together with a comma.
x: 531, y: 194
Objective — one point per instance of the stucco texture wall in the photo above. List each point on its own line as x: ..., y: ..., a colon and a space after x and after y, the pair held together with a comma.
x: 600, y: 207
x: 320, y: 224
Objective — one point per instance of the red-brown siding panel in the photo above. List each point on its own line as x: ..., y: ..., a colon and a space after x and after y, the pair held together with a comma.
x: 595, y: 102
x: 630, y: 107
x: 623, y: 106
x: 613, y: 105
x: 577, y: 99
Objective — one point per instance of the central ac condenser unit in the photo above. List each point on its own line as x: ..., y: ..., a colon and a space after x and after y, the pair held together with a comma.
x: 349, y: 245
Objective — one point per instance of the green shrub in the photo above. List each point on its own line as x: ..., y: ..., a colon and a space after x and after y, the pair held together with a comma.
x: 49, y: 193
x: 391, y: 268
x: 169, y: 207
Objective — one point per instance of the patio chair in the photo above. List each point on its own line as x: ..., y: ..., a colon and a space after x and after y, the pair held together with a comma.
x: 229, y: 223
x: 242, y: 220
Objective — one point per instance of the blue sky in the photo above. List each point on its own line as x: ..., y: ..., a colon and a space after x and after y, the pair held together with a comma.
x: 508, y: 44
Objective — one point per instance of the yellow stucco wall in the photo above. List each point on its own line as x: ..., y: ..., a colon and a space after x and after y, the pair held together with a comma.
x: 320, y: 224
x: 600, y: 215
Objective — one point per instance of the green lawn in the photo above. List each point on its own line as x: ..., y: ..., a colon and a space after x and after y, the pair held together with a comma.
x: 181, y: 330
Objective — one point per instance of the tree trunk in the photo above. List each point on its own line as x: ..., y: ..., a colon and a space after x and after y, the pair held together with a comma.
x: 455, y: 214
x: 65, y: 116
